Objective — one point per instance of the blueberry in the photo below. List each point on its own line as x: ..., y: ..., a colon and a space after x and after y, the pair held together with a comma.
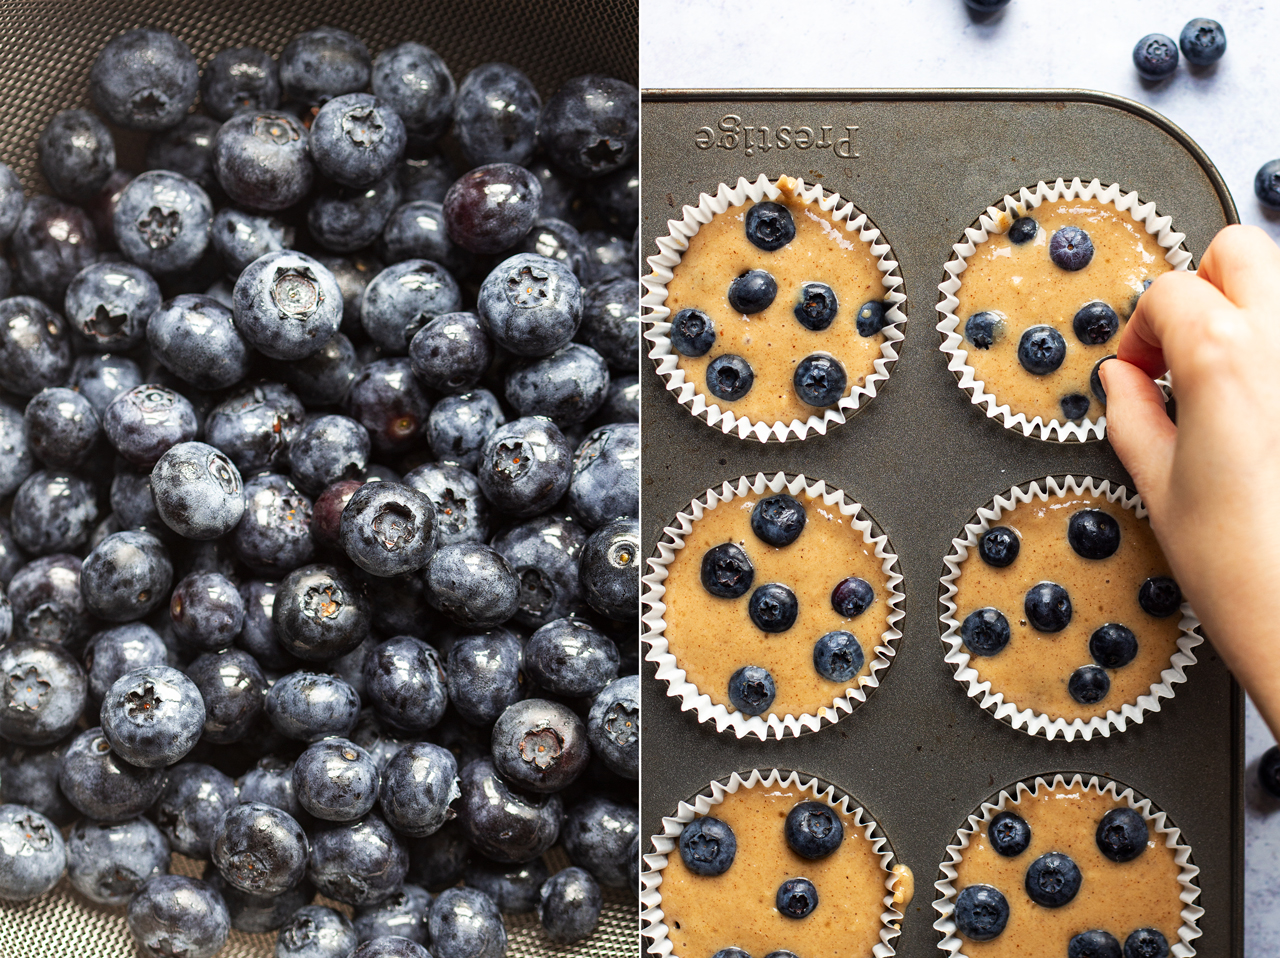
x: 418, y: 785
x: 539, y: 745
x: 152, y: 716
x: 323, y: 63
x: 820, y: 380
x: 1113, y: 646
x: 525, y: 466
x: 1155, y: 56
x: 414, y: 81
x: 335, y: 780
x: 985, y: 631
x: 567, y: 386
x: 240, y: 79
x: 102, y: 785
x: 425, y: 177
x: 852, y: 596
x: 773, y: 608
x: 1269, y: 771
x: 458, y: 426
x: 472, y: 584
x: 1074, y: 407
x: 32, y: 853
x: 613, y: 726
x: 53, y: 242
x: 1048, y: 607
x: 241, y: 237
x: 1159, y: 596
x: 274, y: 535
x: 61, y: 427
x: 513, y: 888
x: 148, y: 420
x: 1095, y: 380
x: 255, y: 426
x: 559, y: 241
x: 34, y: 349
x: 1266, y: 184
x: 491, y: 208
x: 77, y: 154
x: 1095, y: 323
x: 752, y: 292
x: 43, y: 694
x: 608, y: 257
x: 437, y: 861
x: 256, y: 914
x: 1041, y: 350
x: 53, y: 512
x: 405, y: 684
x: 1023, y: 230
x: 108, y: 304
x: 590, y: 126
x: 872, y: 317
x: 316, y: 932
x: 319, y: 613
x: 403, y: 298
x: 1122, y: 834
x: 47, y: 604
x: 328, y: 448
x: 999, y: 546
x: 261, y: 160
x: 546, y: 554
x: 484, y: 675
x: 309, y: 707
x: 729, y: 377
x: 983, y: 330
x: 838, y: 656
x: 1009, y: 834
x: 232, y: 686
x: 606, y: 475
x: 191, y: 807
x: 187, y: 149
x: 11, y: 200
x: 107, y: 863
x: 389, y: 528
x: 357, y: 139
x: 707, y: 846
x: 813, y: 830
x: 506, y: 825
x: 797, y: 898
x: 770, y: 227
x: 29, y: 776
x: 1093, y: 534
x: 144, y: 80
x: 1052, y: 880
x: 751, y: 690
x: 287, y: 305
x: 16, y: 461
x: 465, y: 923
x: 609, y: 572
x: 402, y: 916
x: 611, y: 322
x: 531, y: 304
x: 617, y: 198
x: 569, y: 909
x: 1071, y: 248
x: 126, y: 576
x: 1146, y: 943
x: 195, y: 338
x: 173, y: 914
x: 496, y: 115
x: 981, y: 912
x: 1093, y: 944
x: 416, y: 230
x: 461, y: 511
x: 816, y: 306
x: 162, y: 221
x: 198, y: 491
x: 568, y: 657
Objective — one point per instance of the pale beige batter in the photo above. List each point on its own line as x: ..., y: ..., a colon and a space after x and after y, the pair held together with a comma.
x: 1115, y: 897
x: 1033, y: 669
x: 774, y: 342
x: 712, y: 637
x: 1021, y: 283
x: 738, y: 908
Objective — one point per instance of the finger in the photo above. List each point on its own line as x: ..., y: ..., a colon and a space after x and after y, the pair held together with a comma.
x: 1167, y: 321
x: 1139, y: 429
x: 1244, y: 263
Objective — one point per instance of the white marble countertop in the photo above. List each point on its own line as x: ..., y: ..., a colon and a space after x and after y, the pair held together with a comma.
x: 1230, y: 110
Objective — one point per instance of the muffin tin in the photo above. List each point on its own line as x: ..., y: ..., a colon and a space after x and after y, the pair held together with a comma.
x: 919, y: 755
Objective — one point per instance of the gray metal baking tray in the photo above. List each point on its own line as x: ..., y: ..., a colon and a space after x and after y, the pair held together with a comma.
x: 921, y: 458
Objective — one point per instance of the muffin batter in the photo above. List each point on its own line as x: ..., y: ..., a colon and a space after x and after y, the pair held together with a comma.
x: 1116, y: 897
x: 713, y: 637
x: 773, y: 342
x: 1023, y: 286
x: 1034, y: 668
x: 704, y: 915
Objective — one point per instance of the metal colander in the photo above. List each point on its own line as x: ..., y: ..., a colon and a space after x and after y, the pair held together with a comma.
x: 46, y: 49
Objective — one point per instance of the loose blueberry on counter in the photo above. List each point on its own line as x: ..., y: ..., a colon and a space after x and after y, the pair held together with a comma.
x: 77, y: 154
x: 144, y: 80
x: 770, y: 227
x: 606, y: 475
x: 1023, y: 230
x: 173, y: 914
x: 108, y: 862
x: 813, y: 830
x: 232, y: 686
x: 1122, y: 834
x: 1074, y: 407
x: 539, y: 745
x: 53, y: 512
x: 1093, y: 944
x: 1052, y: 880
x: 1095, y: 380
x: 261, y: 160
x: 873, y: 316
x: 707, y: 846
x: 403, y: 915
x: 126, y: 576
x: 981, y: 912
x: 816, y: 307
x: 451, y: 352
x: 613, y: 726
x: 570, y: 906
x: 1269, y: 771
x: 778, y: 519
x: 1266, y: 184
x: 162, y: 221
x: 838, y: 656
x: 982, y: 330
x: 985, y: 631
x: 753, y: 292
x: 1009, y: 834
x: 505, y: 824
x: 405, y: 684
x: 102, y: 785
x: 240, y: 79
x: 1048, y: 607
x: 1071, y: 248
x: 190, y: 808
x: 43, y: 693
x: 1093, y: 534
x: 820, y: 380
x: 418, y: 785
x: 1203, y: 42
x: 465, y: 923
x: 525, y: 466
x: 323, y: 63
x: 797, y: 898
x: 53, y: 241
x: 729, y: 377
x: 590, y: 126
x: 1041, y: 350
x: 1095, y: 323
x: 1160, y: 596
x: 315, y: 931
x: 287, y: 305
x: 773, y: 608
x: 852, y: 596
x: 1113, y: 646
x: 496, y: 115
x: 751, y: 690
x: 999, y: 546
x: 198, y: 491
x: 568, y: 657
x: 35, y: 351
x: 62, y: 427
x: 145, y: 422
x: 1146, y: 943
x: 1155, y: 56
x: 152, y: 716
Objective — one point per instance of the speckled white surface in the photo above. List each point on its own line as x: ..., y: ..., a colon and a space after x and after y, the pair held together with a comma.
x: 1230, y: 110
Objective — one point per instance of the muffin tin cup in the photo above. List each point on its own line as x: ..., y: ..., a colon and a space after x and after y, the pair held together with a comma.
x: 1026, y: 719
x: 673, y: 246
x: 945, y: 903
x: 669, y: 669
x: 998, y: 219
x: 653, y: 920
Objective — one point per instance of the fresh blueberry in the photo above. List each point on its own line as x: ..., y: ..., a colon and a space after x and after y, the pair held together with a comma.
x: 797, y: 898
x: 308, y: 706
x: 405, y: 684
x: 1009, y: 834
x: 413, y: 80
x: 191, y: 807
x: 425, y: 177
x: 388, y: 528
x: 53, y: 512
x: 241, y: 237
x: 567, y: 386
x: 726, y: 571
x: 559, y: 241
x: 437, y: 861
x: 357, y: 139
x: 491, y: 208
x: 173, y: 914
x: 820, y: 380
x: 107, y: 863
x: 287, y: 305
x: 77, y: 154
x: 1074, y: 407
x: 34, y: 348
x: 1095, y: 323
x: 1052, y: 880
x: 187, y: 149
x: 52, y: 242
x: 254, y: 427
x: 416, y: 230
x: 402, y: 916
x: 608, y: 573
x: 47, y: 604
x: 1095, y: 380
x: 813, y: 830
x: 999, y: 546
x: 144, y: 80
x: 260, y: 849
x: 531, y: 304
x: 1269, y: 771
x: 568, y: 657
x: 525, y: 466
x: 418, y: 785
x: 102, y: 785
x: 11, y: 557
x: 539, y: 745
x: 316, y: 932
x: 569, y: 906
x: 461, y: 511
x: 126, y: 576
x: 496, y: 115
x: 344, y: 219
x: 152, y: 716
x: 16, y: 461
x: 773, y: 608
x: 838, y: 656
x: 43, y: 694
x: 872, y: 317
x: 770, y: 227
x: 232, y: 686
x: 751, y: 690
x: 319, y: 613
x: 100, y: 378
x: 1155, y: 56
x: 195, y: 338
x: 240, y: 79
x: 513, y: 888
x: 613, y: 726
x: 617, y: 198
x: 611, y: 322
x: 198, y: 491
x: 506, y: 825
x: 108, y: 304
x: 261, y: 160
x: 11, y: 200
x: 981, y: 912
x: 327, y: 449
x: 403, y: 298
x: 590, y: 126
x: 1266, y: 184
x: 1071, y: 248
x: 816, y: 305
x: 29, y: 776
x: 465, y: 923
x: 1122, y: 834
x: 32, y: 853
x: 1093, y: 944
x: 458, y: 426
x: 256, y: 914
x: 274, y: 535
x: 1048, y: 607
x: 162, y: 221
x: 1093, y: 534
x: 148, y: 420
x: 985, y: 631
x: 1146, y: 943
x: 335, y: 780
x: 484, y: 675
x: 852, y: 596
x: 1023, y: 230
x: 753, y: 292
x: 707, y: 846
x: 1159, y: 596
x: 61, y: 427
x: 270, y: 782
x: 546, y: 554
x: 473, y: 584
x: 1041, y: 350
x: 323, y: 63
x: 606, y: 479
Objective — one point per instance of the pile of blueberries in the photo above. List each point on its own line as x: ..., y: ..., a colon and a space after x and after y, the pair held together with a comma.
x: 320, y: 462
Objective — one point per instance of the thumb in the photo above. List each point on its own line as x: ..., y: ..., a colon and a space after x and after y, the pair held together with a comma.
x: 1140, y: 431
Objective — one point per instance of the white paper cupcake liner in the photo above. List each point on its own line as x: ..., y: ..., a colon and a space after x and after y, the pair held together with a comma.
x: 653, y: 921
x: 945, y: 903
x: 998, y: 219
x: 1025, y: 719
x: 670, y: 671
x: 673, y: 246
